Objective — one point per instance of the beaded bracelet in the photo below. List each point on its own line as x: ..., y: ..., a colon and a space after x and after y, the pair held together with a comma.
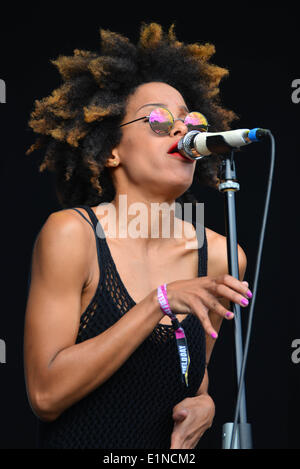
x: 179, y: 332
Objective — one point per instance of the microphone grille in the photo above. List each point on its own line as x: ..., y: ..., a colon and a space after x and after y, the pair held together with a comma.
x: 186, y: 144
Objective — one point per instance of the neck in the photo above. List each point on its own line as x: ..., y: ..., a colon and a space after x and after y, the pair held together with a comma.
x: 148, y: 223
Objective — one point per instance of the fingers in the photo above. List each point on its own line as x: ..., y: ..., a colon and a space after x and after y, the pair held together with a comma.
x: 226, y: 287
x: 240, y: 287
x: 201, y: 312
x: 232, y: 295
x: 203, y: 296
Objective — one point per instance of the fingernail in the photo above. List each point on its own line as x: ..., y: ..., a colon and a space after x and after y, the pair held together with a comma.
x: 249, y: 294
x: 244, y: 302
x: 214, y: 336
x: 229, y: 315
x: 246, y: 283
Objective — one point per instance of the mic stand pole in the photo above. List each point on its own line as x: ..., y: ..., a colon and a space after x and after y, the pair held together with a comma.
x: 228, y: 186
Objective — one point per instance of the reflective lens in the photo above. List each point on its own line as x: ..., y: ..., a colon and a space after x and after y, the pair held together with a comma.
x: 196, y: 121
x: 161, y: 120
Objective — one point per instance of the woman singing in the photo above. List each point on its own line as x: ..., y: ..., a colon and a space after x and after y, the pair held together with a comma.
x: 119, y: 329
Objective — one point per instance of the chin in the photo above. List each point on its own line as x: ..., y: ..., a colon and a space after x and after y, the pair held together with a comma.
x: 179, y: 190
x: 182, y: 185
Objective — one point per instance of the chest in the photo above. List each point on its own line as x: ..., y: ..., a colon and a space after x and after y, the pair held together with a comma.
x: 141, y: 274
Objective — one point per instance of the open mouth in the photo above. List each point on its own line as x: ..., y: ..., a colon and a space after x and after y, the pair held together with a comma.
x: 173, y: 151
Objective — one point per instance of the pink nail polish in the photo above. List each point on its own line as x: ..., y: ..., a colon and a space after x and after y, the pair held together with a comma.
x: 249, y: 294
x: 229, y: 315
x: 244, y: 302
x: 214, y: 336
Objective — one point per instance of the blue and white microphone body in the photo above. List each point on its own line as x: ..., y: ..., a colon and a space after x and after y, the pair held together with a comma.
x: 196, y: 145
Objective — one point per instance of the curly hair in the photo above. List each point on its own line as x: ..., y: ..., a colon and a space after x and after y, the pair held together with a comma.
x: 79, y: 122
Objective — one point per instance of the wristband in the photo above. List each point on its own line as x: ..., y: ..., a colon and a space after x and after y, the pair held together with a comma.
x: 179, y: 332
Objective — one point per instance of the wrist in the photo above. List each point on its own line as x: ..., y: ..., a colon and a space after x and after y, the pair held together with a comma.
x: 155, y: 306
x: 204, y: 385
x: 206, y: 399
x: 203, y: 394
x: 206, y: 402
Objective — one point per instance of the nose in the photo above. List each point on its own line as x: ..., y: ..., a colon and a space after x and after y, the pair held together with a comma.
x: 179, y: 128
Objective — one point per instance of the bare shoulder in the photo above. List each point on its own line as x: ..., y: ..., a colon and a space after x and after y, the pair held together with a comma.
x: 217, y: 254
x: 63, y: 226
x: 63, y: 240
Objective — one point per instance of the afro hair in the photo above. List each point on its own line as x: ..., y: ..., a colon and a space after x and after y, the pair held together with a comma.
x: 78, y: 124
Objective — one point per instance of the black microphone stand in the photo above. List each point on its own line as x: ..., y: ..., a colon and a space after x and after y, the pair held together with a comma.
x: 228, y: 186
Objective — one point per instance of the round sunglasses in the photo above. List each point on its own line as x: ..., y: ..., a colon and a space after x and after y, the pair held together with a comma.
x: 162, y: 121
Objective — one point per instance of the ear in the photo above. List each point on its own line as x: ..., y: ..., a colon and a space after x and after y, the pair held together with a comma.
x: 113, y: 161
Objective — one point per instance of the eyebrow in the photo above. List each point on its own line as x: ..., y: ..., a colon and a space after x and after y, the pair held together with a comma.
x: 184, y: 108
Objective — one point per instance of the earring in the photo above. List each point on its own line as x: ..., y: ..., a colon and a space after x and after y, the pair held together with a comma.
x: 115, y: 163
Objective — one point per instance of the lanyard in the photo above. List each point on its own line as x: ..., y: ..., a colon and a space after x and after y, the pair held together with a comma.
x: 181, y: 341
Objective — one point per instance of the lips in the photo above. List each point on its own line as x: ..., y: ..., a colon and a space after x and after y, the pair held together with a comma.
x: 173, y: 150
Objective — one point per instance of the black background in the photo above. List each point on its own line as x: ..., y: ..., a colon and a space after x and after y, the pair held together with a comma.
x: 260, y: 49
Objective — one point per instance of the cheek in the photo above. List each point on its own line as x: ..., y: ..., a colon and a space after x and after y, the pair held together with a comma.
x: 131, y: 145
x: 141, y: 150
x: 145, y: 158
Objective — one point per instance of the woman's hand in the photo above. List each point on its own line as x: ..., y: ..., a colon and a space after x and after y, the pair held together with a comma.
x: 192, y: 417
x: 200, y: 295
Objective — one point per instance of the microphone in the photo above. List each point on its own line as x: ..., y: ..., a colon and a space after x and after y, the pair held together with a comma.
x: 195, y: 145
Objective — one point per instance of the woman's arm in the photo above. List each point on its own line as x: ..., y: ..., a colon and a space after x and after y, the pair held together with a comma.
x: 217, y: 265
x: 193, y: 416
x: 58, y: 371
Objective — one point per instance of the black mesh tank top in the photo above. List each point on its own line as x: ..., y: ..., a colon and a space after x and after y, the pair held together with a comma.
x: 133, y: 408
